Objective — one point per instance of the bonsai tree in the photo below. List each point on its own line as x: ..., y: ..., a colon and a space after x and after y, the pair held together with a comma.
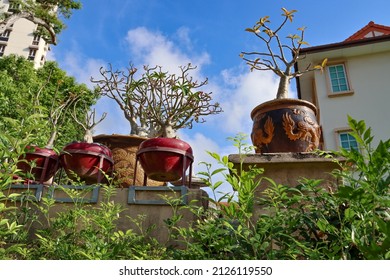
x: 89, y: 123
x: 42, y: 162
x: 27, y: 91
x: 55, y: 114
x: 86, y: 160
x: 275, y: 58
x: 157, y: 103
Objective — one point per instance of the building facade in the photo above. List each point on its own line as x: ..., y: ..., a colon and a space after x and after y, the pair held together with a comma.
x: 356, y: 82
x: 22, y: 38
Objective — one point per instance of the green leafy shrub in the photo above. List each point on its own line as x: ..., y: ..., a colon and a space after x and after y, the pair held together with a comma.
x: 302, y: 222
x: 16, y: 214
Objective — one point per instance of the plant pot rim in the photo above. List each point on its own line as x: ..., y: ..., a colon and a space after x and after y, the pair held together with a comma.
x: 43, y: 151
x: 80, y: 142
x: 158, y: 147
x: 280, y: 104
x: 118, y: 137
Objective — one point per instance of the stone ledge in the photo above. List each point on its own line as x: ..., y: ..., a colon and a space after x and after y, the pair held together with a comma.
x: 135, y: 201
x: 284, y: 158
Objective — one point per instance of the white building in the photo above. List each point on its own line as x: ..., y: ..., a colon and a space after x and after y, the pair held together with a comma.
x: 356, y: 82
x: 21, y: 39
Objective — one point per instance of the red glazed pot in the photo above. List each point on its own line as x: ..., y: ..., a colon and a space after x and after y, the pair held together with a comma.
x: 45, y: 166
x: 86, y: 161
x: 165, y: 159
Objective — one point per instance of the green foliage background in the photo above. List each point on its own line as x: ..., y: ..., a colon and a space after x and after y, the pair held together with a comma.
x: 25, y: 91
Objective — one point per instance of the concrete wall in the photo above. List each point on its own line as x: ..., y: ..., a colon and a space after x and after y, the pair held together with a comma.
x: 289, y: 169
x: 135, y: 201
x: 370, y: 82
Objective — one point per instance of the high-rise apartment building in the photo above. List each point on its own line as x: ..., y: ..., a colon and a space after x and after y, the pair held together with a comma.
x: 22, y: 38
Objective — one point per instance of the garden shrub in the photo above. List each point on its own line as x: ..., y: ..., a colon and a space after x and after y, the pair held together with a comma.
x: 301, y: 222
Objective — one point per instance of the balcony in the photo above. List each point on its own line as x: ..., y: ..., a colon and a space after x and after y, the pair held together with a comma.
x: 33, y: 46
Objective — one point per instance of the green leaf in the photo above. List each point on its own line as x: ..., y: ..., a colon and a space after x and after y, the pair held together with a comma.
x: 219, y: 170
x: 349, y: 213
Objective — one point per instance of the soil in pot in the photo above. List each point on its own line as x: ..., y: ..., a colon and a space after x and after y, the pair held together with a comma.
x: 285, y: 125
x: 87, y: 162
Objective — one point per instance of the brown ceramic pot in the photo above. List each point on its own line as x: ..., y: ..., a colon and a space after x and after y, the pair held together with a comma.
x: 285, y: 125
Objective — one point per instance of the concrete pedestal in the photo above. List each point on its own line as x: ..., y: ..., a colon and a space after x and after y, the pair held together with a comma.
x: 289, y: 168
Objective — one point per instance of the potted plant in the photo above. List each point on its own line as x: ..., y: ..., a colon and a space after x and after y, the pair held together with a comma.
x: 85, y: 160
x: 42, y: 162
x: 283, y: 124
x: 157, y: 104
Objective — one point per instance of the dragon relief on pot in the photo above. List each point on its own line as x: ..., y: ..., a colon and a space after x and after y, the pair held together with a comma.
x: 304, y: 130
x: 262, y: 137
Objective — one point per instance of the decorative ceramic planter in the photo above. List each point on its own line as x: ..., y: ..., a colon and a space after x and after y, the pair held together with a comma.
x: 86, y: 161
x: 45, y: 167
x: 124, y: 149
x: 285, y: 125
x: 165, y: 159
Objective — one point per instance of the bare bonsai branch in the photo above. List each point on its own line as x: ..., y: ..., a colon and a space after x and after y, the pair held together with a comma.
x: 57, y: 110
x: 278, y: 62
x: 157, y: 103
x: 89, y: 122
x: 55, y: 114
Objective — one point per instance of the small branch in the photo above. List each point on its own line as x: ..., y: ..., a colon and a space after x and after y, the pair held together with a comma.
x: 270, y: 60
x: 89, y: 122
x: 7, y: 22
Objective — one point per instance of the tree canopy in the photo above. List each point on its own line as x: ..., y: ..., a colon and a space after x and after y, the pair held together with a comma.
x: 48, y: 14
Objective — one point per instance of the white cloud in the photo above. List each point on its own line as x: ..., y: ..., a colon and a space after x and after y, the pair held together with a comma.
x: 115, y: 122
x: 244, y: 91
x: 153, y: 48
x: 82, y: 68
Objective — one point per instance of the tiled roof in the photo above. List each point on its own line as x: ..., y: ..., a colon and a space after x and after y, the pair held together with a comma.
x: 370, y: 30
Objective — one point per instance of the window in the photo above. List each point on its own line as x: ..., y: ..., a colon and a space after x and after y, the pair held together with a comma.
x: 31, y: 55
x: 2, y: 48
x: 338, y: 78
x: 5, y: 35
x: 36, y: 39
x: 347, y: 141
x: 13, y: 7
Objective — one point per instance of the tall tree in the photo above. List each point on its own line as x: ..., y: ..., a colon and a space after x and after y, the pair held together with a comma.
x: 48, y: 14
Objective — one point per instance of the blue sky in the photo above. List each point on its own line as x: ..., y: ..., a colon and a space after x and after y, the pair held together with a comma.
x: 207, y: 33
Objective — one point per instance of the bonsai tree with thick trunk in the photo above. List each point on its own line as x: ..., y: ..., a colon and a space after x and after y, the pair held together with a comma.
x: 85, y: 160
x: 282, y: 125
x: 279, y: 57
x: 157, y: 103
